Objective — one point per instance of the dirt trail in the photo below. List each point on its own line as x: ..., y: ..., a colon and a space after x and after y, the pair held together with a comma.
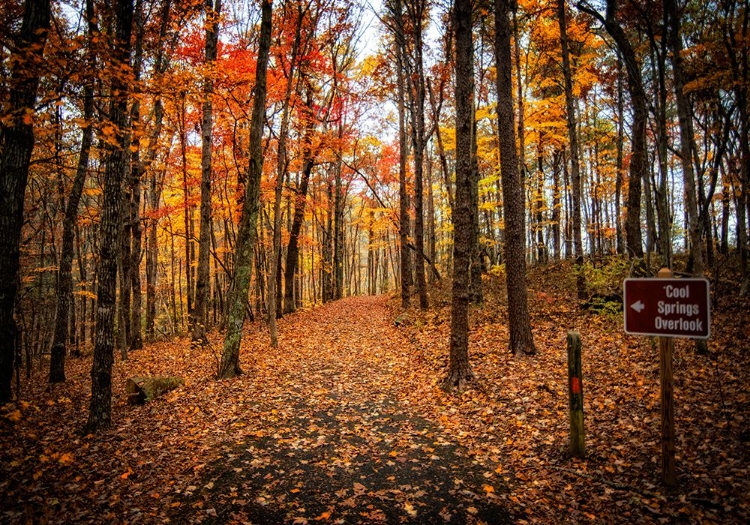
x: 335, y: 441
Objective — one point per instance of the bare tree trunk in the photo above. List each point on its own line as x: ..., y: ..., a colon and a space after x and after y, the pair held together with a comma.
x: 404, y: 204
x: 153, y: 192
x: 556, y: 204
x: 16, y: 146
x: 521, y: 338
x: 619, y: 160
x: 292, y: 254
x: 230, y: 359
x: 100, y: 408
x: 65, y: 276
x: 416, y: 82
x: 459, y: 369
x: 573, y: 139
x: 203, y: 281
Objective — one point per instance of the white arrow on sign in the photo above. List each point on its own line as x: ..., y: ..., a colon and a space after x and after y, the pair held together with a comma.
x: 638, y: 306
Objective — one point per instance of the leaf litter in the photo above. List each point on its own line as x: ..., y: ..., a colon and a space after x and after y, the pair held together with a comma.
x: 345, y: 422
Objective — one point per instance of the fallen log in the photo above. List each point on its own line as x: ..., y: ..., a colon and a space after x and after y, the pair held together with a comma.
x: 140, y: 390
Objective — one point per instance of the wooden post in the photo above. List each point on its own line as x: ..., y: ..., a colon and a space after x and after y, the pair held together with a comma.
x: 575, y: 394
x: 666, y: 348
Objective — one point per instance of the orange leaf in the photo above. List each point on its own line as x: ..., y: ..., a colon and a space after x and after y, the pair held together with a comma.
x: 15, y: 416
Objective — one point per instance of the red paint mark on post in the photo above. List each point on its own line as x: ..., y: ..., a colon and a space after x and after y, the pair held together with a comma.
x: 575, y: 385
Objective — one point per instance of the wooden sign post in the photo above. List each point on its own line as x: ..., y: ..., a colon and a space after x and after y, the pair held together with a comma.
x: 575, y: 394
x: 667, y: 307
x: 666, y: 349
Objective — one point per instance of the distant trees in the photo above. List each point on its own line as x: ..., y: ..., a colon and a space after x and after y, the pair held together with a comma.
x: 364, y: 152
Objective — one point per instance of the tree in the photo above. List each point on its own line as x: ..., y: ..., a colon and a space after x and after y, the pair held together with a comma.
x: 246, y: 234
x: 64, y: 274
x: 134, y: 183
x: 300, y: 202
x: 100, y: 407
x: 153, y: 190
x: 282, y: 164
x: 459, y: 369
x: 638, y: 154
x: 521, y: 338
x: 396, y: 25
x: 575, y: 170
x: 203, y: 282
x: 416, y: 10
x: 16, y: 145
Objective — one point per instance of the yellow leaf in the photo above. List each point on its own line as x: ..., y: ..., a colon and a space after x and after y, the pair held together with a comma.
x: 410, y: 509
x: 488, y: 489
x: 126, y: 474
x: 324, y: 516
x: 66, y: 459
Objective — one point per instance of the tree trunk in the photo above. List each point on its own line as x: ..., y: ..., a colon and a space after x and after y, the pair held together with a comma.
x: 65, y: 275
x: 292, y: 254
x: 230, y: 364
x: 619, y: 158
x: 416, y: 11
x: 141, y: 390
x: 476, y: 295
x: 684, y: 116
x: 153, y: 191
x: 203, y: 281
x: 16, y: 145
x: 459, y: 369
x: 100, y: 407
x: 638, y: 156
x: 575, y: 170
x: 404, y: 221
x: 521, y: 338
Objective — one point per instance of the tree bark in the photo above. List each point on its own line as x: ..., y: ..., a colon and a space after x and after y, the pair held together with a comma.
x: 684, y: 117
x: 416, y: 12
x: 459, y: 369
x: 230, y: 359
x: 136, y: 172
x: 203, y: 281
x: 16, y: 146
x: 575, y: 170
x: 64, y: 274
x: 100, y: 407
x: 282, y: 166
x: 292, y: 254
x: 404, y: 204
x: 521, y: 338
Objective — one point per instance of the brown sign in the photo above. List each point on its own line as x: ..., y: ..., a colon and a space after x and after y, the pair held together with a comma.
x: 667, y: 307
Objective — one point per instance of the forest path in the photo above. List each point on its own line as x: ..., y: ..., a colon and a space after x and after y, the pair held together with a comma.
x: 334, y: 440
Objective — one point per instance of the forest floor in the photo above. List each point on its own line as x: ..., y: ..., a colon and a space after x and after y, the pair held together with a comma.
x: 345, y: 422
